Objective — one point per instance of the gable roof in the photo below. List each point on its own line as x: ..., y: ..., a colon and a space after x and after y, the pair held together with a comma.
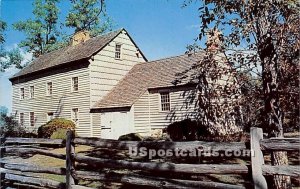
x: 69, y: 54
x: 144, y: 76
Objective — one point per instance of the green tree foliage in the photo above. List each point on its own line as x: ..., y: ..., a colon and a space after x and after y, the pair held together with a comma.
x: 2, y: 51
x: 2, y: 28
x: 8, y: 58
x: 88, y: 15
x: 41, y: 32
x: 9, y: 127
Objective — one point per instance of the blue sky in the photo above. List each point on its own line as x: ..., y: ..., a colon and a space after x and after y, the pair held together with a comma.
x: 161, y: 28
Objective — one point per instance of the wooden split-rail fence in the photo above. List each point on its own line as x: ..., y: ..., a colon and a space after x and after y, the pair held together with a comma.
x: 158, y: 174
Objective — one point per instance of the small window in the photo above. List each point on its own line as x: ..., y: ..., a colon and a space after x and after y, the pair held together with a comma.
x: 49, y: 116
x: 22, y: 93
x: 31, y: 91
x: 21, y: 119
x: 118, y: 51
x: 165, y: 101
x: 74, y: 83
x: 49, y: 88
x: 75, y: 115
x: 31, y: 119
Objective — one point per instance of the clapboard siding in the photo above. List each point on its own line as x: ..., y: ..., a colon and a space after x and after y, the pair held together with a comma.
x: 180, y: 109
x: 61, y: 102
x: 142, y: 115
x: 147, y: 114
x: 106, y: 72
x: 96, y: 78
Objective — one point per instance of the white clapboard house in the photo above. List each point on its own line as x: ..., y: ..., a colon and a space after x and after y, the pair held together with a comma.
x: 105, y: 85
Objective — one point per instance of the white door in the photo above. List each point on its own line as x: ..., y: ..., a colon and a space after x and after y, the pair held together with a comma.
x: 106, y: 131
x: 115, y: 124
x: 120, y: 124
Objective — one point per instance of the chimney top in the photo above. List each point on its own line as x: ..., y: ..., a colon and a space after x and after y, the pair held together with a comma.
x: 213, y: 40
x: 79, y: 37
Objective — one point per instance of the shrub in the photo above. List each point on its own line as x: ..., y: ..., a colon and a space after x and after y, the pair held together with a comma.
x: 183, y: 130
x: 59, y: 134
x: 45, y: 131
x: 131, y: 137
x: 10, y: 127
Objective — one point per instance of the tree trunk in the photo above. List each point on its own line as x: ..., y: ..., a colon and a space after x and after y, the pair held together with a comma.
x: 279, y: 181
x: 273, y: 111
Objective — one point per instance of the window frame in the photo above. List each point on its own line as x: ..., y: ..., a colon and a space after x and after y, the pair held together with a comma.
x: 30, y: 121
x: 118, y: 51
x: 72, y: 116
x: 22, y: 93
x: 47, y: 91
x: 72, y: 84
x: 21, y: 121
x: 164, y: 103
x: 31, y: 92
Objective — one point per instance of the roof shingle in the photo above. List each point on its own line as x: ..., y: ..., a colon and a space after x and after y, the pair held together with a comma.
x: 144, y: 76
x: 68, y: 54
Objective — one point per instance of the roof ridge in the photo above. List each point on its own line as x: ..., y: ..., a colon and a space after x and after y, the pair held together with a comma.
x: 165, y: 58
x: 68, y: 53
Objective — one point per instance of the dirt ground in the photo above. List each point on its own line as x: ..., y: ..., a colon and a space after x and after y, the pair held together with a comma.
x: 46, y: 161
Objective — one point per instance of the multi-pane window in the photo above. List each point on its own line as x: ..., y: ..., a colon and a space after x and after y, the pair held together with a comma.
x: 118, y: 51
x: 75, y: 115
x: 21, y: 119
x: 31, y: 119
x: 49, y: 116
x: 22, y: 93
x: 74, y: 83
x: 165, y: 101
x: 31, y: 90
x: 49, y: 88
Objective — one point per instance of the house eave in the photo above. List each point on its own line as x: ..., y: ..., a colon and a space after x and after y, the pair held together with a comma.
x: 57, y: 67
x: 171, y: 87
x: 110, y: 109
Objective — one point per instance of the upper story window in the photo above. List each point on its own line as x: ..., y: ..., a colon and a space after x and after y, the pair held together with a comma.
x: 165, y: 101
x: 31, y: 119
x: 75, y: 115
x: 31, y: 91
x: 22, y: 93
x: 21, y: 119
x: 74, y: 84
x: 118, y: 52
x: 49, y: 88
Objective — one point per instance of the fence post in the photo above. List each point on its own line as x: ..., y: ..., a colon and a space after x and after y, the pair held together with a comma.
x: 70, y: 163
x: 257, y: 159
x: 2, y: 151
x: 2, y: 148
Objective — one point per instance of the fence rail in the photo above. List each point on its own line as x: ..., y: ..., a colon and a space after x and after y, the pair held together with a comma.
x: 19, y: 172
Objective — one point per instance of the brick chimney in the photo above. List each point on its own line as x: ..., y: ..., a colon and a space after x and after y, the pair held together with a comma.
x: 80, y: 37
x: 213, y: 40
